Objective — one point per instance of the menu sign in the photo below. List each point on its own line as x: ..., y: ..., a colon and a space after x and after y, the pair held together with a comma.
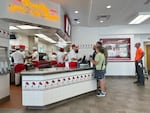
x: 36, y: 9
x: 117, y: 48
x: 67, y: 25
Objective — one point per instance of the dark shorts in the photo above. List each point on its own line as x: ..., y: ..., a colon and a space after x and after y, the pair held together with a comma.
x: 100, y: 74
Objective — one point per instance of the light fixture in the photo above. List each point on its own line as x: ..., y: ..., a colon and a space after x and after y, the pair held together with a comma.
x: 76, y: 12
x: 13, y: 28
x: 78, y: 22
x: 101, y: 21
x: 42, y: 36
x: 141, y: 18
x: 61, y: 42
x: 60, y: 38
x: 108, y: 7
x: 28, y: 27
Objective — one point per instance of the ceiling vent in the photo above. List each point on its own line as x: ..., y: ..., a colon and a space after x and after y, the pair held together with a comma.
x: 103, y: 17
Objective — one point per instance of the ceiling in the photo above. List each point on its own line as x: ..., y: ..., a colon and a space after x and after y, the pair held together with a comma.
x: 48, y: 31
x: 121, y: 13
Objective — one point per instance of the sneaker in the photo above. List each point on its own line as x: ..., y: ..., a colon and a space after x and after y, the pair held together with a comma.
x: 100, y: 95
x: 99, y: 91
x: 136, y: 82
x: 104, y: 92
x: 140, y: 84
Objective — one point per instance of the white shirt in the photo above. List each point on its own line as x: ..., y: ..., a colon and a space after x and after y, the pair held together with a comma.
x: 18, y: 57
x: 60, y: 57
x: 71, y: 55
x: 36, y: 55
x: 53, y: 57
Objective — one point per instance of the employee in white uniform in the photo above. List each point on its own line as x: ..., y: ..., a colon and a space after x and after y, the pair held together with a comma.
x: 35, y: 57
x: 18, y: 58
x: 61, y: 58
x: 73, y: 57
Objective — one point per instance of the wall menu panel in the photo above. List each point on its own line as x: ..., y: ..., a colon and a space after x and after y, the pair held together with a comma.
x: 117, y: 48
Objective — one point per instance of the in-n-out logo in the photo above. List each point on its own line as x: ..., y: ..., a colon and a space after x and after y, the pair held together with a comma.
x: 16, y: 1
x: 53, y: 11
x: 34, y: 8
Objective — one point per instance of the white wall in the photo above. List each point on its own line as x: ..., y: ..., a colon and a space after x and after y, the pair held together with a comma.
x: 21, y: 40
x: 29, y: 43
x: 4, y: 79
x: 89, y: 36
x: 47, y: 47
x: 4, y: 86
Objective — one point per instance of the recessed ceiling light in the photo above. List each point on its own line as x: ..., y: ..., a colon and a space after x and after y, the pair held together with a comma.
x: 76, y: 12
x: 12, y: 28
x: 108, y: 7
x: 28, y: 27
x: 140, y: 18
x: 78, y: 22
x: 44, y: 37
x: 101, y: 21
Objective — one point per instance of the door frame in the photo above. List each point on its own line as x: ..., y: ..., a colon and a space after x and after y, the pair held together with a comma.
x: 146, y: 43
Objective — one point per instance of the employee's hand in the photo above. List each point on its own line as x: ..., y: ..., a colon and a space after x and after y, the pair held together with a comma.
x: 79, y: 59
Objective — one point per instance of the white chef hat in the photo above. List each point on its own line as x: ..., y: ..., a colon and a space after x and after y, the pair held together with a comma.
x: 34, y: 48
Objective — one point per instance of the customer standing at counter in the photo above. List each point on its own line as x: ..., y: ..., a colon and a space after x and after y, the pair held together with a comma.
x: 139, y: 64
x: 100, y: 43
x: 73, y: 57
x: 35, y: 57
x: 100, y: 71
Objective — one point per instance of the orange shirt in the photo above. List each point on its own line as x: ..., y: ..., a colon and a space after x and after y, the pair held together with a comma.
x: 138, y: 54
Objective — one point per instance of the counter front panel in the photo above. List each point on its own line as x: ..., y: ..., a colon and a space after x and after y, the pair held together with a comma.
x: 50, y: 87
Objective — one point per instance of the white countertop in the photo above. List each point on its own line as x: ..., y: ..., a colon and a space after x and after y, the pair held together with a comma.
x: 51, y: 71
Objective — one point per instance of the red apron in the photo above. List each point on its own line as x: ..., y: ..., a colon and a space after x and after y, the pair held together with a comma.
x: 73, y: 64
x: 61, y: 64
x: 53, y: 62
x: 19, y: 67
x: 36, y: 63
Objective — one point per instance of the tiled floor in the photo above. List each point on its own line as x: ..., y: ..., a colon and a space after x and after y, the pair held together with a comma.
x: 122, y: 97
x: 15, y: 98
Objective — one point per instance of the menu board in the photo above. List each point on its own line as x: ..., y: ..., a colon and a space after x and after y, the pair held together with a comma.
x: 67, y: 25
x: 117, y: 48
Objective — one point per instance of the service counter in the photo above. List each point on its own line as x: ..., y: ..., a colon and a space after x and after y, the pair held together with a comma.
x: 42, y: 87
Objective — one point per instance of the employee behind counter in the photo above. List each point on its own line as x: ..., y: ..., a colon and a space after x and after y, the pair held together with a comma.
x: 35, y: 59
x: 74, y: 60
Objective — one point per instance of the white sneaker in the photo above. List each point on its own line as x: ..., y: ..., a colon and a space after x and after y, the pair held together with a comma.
x: 100, y: 94
x: 99, y: 91
x: 104, y: 92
